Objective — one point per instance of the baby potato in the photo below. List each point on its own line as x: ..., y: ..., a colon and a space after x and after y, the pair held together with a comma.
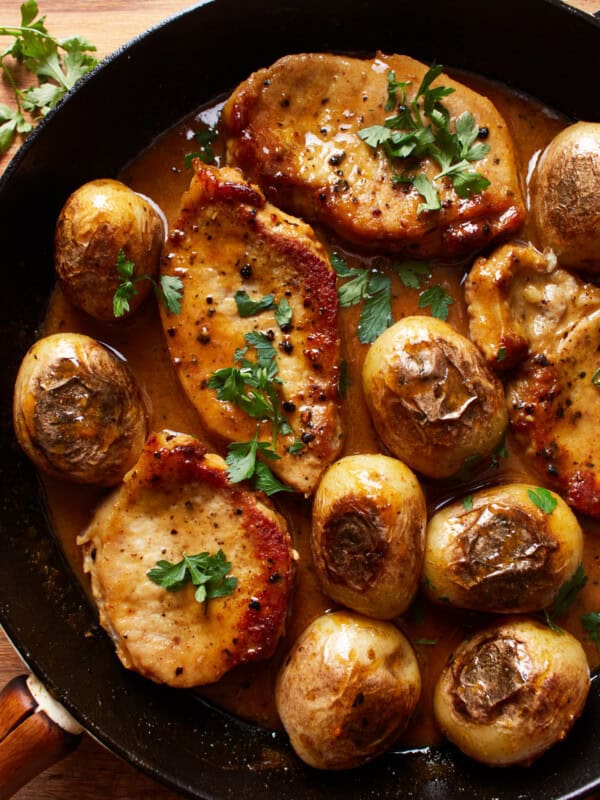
x: 511, y: 692
x: 347, y: 690
x: 433, y: 401
x: 504, y: 554
x: 98, y: 220
x: 78, y: 412
x: 368, y: 534
x: 565, y: 197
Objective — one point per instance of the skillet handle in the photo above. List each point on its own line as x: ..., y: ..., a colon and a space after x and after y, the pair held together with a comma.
x: 35, y: 732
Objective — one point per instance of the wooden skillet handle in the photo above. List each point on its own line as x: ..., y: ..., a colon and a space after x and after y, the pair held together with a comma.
x: 35, y: 732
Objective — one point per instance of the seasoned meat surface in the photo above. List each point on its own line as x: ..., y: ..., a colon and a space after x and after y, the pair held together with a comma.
x: 526, y: 311
x: 175, y: 501
x: 229, y: 239
x: 293, y: 128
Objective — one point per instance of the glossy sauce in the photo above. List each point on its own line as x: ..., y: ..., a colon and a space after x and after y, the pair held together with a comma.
x: 248, y: 691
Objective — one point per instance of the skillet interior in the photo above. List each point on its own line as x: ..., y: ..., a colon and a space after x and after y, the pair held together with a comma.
x: 538, y: 46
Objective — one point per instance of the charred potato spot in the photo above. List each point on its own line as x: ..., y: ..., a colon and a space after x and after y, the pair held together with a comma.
x: 98, y: 220
x: 78, y: 412
x: 565, y: 193
x: 504, y: 555
x: 368, y: 534
x: 354, y: 544
x: 433, y: 401
x: 511, y: 692
x: 347, y: 690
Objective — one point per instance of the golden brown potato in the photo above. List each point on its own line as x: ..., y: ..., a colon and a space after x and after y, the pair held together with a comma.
x: 98, y: 220
x: 433, y: 401
x: 78, y: 412
x: 511, y: 692
x: 500, y: 551
x: 368, y: 534
x: 565, y: 196
x: 347, y: 690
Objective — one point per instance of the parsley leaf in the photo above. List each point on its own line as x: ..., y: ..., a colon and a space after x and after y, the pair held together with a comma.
x: 243, y: 465
x: 566, y: 597
x: 248, y: 308
x: 205, y: 139
x: 57, y: 64
x: 468, y: 502
x: 501, y: 354
x: 438, y: 299
x: 543, y: 499
x: 376, y: 314
x: 412, y: 273
x: 591, y: 625
x: 208, y: 573
x: 283, y: 313
x: 168, y: 289
x: 421, y: 129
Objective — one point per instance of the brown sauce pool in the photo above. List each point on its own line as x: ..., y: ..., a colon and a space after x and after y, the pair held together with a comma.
x: 435, y: 631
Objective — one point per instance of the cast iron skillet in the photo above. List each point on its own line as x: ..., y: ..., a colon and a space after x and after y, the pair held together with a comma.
x: 538, y: 46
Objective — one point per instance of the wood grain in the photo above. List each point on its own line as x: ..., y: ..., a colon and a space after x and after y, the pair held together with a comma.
x: 91, y: 772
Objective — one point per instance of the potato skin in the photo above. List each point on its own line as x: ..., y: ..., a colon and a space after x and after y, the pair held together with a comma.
x: 511, y: 692
x: 503, y: 555
x: 368, y: 534
x: 97, y: 221
x: 347, y: 690
x: 432, y: 399
x: 78, y: 412
x: 565, y: 197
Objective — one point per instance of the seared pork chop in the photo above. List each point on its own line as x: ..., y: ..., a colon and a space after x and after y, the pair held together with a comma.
x: 229, y: 239
x: 525, y: 311
x: 293, y: 129
x: 175, y: 501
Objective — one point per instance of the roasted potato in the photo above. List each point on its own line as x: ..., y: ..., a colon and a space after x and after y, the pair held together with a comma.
x: 347, y: 690
x: 500, y: 551
x: 98, y: 220
x: 511, y: 692
x: 368, y: 532
x: 78, y: 412
x: 433, y: 400
x: 565, y: 197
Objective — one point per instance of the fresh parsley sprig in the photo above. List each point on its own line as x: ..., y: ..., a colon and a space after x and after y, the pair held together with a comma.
x: 205, y: 139
x: 168, y: 289
x: 208, y: 573
x: 565, y: 598
x: 244, y: 465
x: 373, y: 288
x: 543, y: 499
x: 421, y: 129
x: 57, y: 63
x: 250, y: 308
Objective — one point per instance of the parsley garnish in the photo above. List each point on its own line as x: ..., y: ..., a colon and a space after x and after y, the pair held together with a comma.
x: 591, y: 625
x: 57, y: 63
x: 169, y: 289
x: 499, y: 452
x: 252, y: 387
x: 204, y: 571
x: 250, y: 308
x: 412, y: 273
x: 205, y: 138
x: 543, y: 499
x: 565, y: 597
x: 468, y: 502
x: 425, y: 641
x: 438, y: 299
x: 421, y: 129
x: 501, y: 354
x: 374, y: 289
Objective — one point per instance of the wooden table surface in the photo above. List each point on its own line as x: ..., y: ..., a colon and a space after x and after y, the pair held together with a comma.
x: 91, y: 772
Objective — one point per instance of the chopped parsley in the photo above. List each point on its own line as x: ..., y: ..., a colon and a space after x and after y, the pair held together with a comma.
x: 250, y: 308
x: 205, y: 153
x: 168, y: 289
x: 591, y: 625
x: 468, y: 502
x: 207, y: 573
x: 501, y: 354
x: 565, y: 597
x: 438, y: 299
x: 543, y: 499
x: 421, y: 128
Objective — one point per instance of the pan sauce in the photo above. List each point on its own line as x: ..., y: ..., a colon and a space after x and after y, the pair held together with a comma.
x: 160, y: 174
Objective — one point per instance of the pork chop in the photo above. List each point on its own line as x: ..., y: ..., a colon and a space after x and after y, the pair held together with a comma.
x: 177, y: 501
x: 228, y: 239
x: 293, y: 128
x: 526, y: 312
